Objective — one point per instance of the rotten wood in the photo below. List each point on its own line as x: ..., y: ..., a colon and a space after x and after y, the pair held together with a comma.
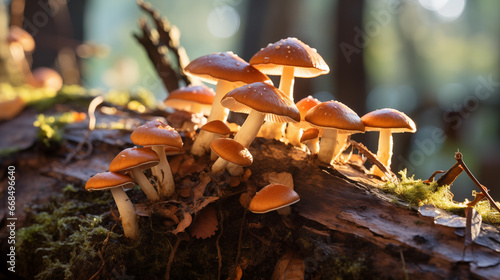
x: 358, y: 210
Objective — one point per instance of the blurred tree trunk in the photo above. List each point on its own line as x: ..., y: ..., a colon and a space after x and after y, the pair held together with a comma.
x: 349, y: 69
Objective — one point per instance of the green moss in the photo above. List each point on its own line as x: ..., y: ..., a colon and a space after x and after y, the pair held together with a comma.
x: 417, y: 193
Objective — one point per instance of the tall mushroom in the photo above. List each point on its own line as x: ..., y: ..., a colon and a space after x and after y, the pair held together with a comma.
x: 228, y: 71
x: 261, y: 102
x: 288, y: 58
x: 158, y: 135
x: 115, y: 183
x: 135, y: 160
x: 338, y: 121
x: 387, y: 121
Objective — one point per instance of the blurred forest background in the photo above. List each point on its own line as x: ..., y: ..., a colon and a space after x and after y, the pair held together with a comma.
x: 436, y: 60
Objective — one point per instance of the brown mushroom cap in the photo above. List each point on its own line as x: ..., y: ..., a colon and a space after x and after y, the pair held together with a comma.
x: 290, y: 52
x: 273, y: 197
x: 217, y: 127
x: 388, y: 118
x: 184, y: 98
x: 225, y: 66
x: 263, y: 98
x: 155, y: 133
x: 309, y: 134
x: 130, y: 158
x: 108, y: 180
x: 305, y: 104
x: 232, y: 151
x: 333, y: 114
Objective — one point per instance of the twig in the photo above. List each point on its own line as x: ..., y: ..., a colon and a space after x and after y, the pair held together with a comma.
x: 169, y: 36
x: 374, y: 160
x: 104, y: 243
x: 157, y: 56
x: 404, y: 265
x: 92, y: 121
x: 484, y: 190
x: 171, y: 258
x: 219, y: 254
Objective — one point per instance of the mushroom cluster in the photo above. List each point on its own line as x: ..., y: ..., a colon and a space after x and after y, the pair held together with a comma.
x: 324, y: 127
x: 156, y: 137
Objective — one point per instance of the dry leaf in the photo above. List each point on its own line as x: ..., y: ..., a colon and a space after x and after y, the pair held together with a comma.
x: 247, y: 175
x: 245, y: 199
x: 205, y: 224
x: 283, y: 178
x: 190, y: 166
x: 234, y: 182
x: 184, y: 223
x: 141, y: 210
x: 472, y: 226
x: 200, y: 189
x: 175, y: 163
x: 290, y: 267
x: 202, y: 202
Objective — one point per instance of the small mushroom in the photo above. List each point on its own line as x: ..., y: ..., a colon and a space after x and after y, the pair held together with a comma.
x: 273, y: 197
x: 294, y: 130
x: 115, y: 183
x: 228, y: 71
x: 135, y: 160
x: 338, y: 121
x: 310, y: 138
x: 229, y: 151
x: 158, y: 135
x: 387, y: 121
x: 218, y: 129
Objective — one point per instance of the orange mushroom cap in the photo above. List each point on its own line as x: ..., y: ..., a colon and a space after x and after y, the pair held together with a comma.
x: 217, y: 127
x: 155, y: 133
x: 273, y: 197
x: 333, y: 114
x: 130, y: 158
x: 232, y: 151
x: 290, y: 52
x: 225, y: 66
x: 388, y: 118
x: 108, y: 180
x: 264, y: 98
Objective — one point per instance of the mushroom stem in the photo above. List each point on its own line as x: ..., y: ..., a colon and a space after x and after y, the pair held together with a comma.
x: 219, y: 165
x: 145, y: 185
x: 250, y: 128
x: 327, y: 146
x: 341, y: 143
x: 277, y: 130
x: 384, y: 153
x: 313, y: 145
x: 127, y: 213
x: 287, y: 80
x: 293, y: 134
x: 166, y: 186
x: 218, y: 112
